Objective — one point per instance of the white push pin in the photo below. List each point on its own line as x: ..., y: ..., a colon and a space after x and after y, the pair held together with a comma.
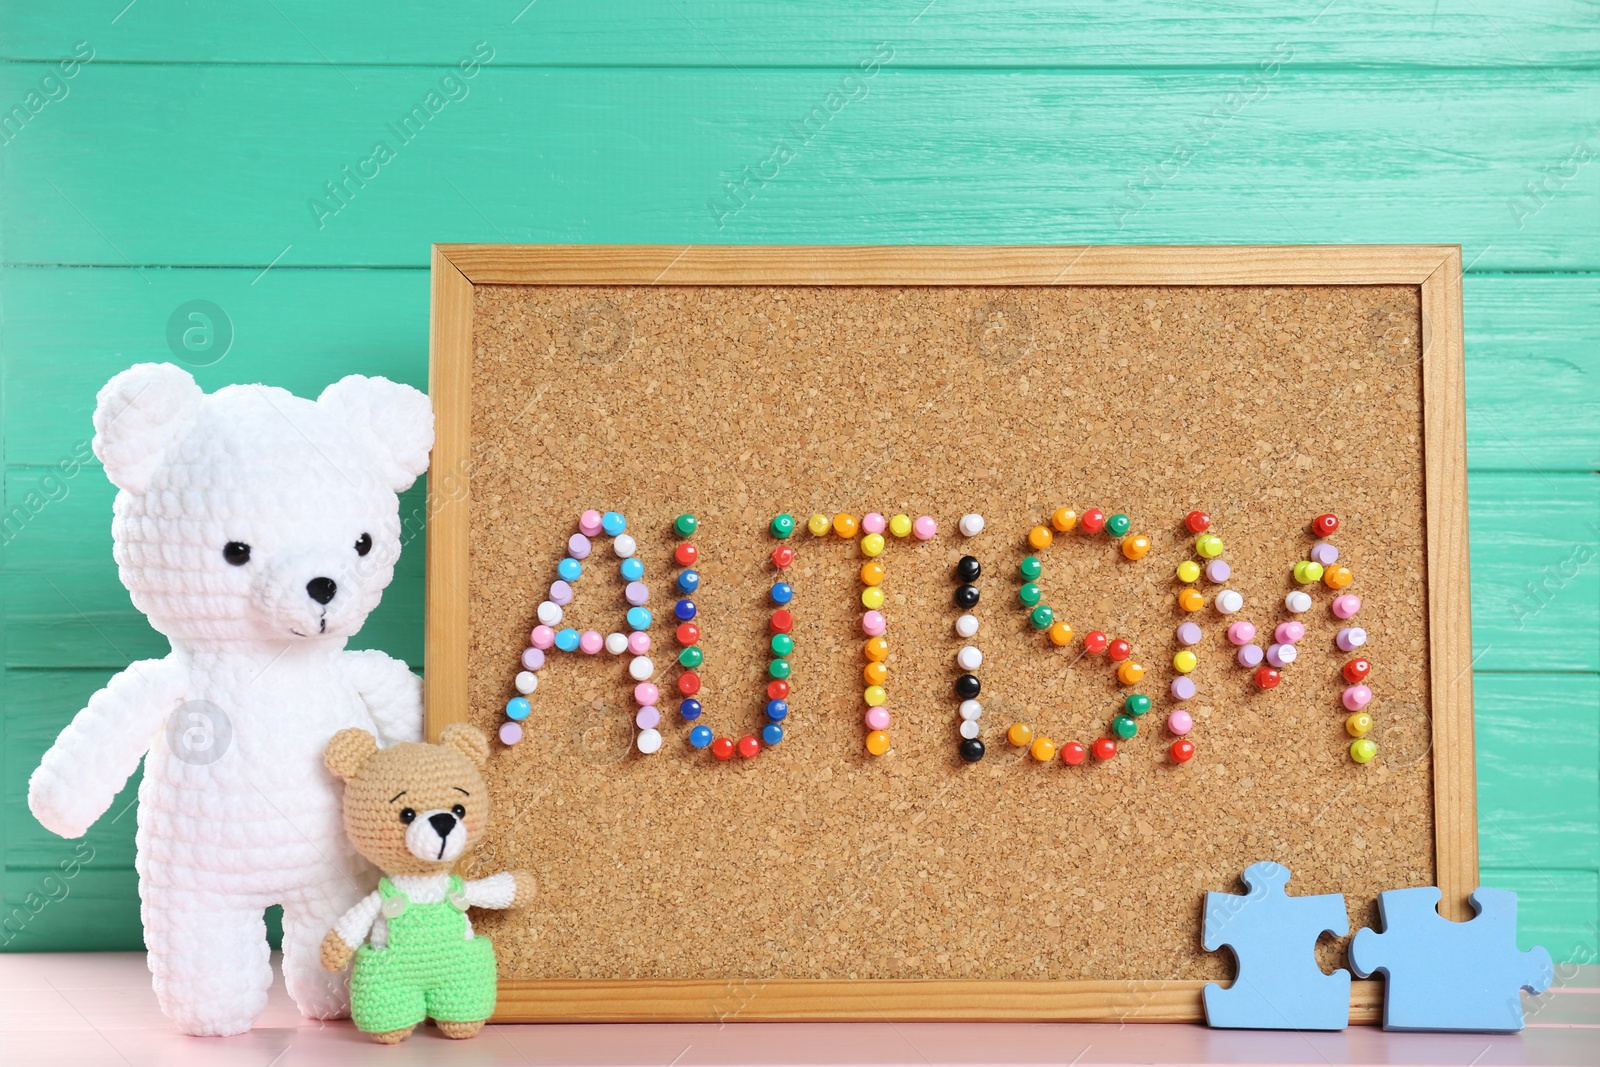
x: 971, y: 525
x: 1229, y: 601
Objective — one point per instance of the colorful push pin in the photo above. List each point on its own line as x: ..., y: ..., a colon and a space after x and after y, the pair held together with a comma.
x: 1191, y: 600
x: 685, y: 555
x: 1350, y: 638
x: 1188, y: 633
x: 1130, y: 673
x: 1356, y: 670
x: 900, y: 525
x: 1356, y: 697
x: 1030, y: 568
x: 1180, y: 722
x: 782, y: 556
x: 518, y: 708
x: 872, y: 573
x: 1118, y: 525
x: 1136, y: 547
x: 1363, y: 750
x: 1281, y: 655
x: 1040, y: 537
x: 1188, y: 571
x: 722, y: 748
x: 1324, y: 553
x: 1184, y: 661
x: 1182, y: 688
x: 971, y: 525
x: 749, y: 746
x: 1041, y: 617
x: 589, y: 523
x: 1063, y: 519
x: 1119, y: 649
x: 579, y: 547
x: 1268, y: 678
x: 510, y: 733
x: 1298, y: 601
x: 1072, y: 753
x: 685, y: 525
x: 1289, y: 633
x: 1093, y: 520
x: 1197, y: 522
x: 1060, y: 634
x: 1124, y: 726
x: 872, y: 545
x: 782, y: 526
x: 1229, y: 601
x: 1324, y: 525
x: 771, y: 734
x: 1029, y: 594
x: 688, y: 581
x: 819, y: 524
x: 701, y: 736
x: 873, y: 623
x: 781, y: 622
x: 875, y: 674
x: 1020, y: 734
x: 688, y: 683
x: 782, y: 592
x: 1136, y: 704
x: 1218, y: 571
x: 924, y: 528
x: 1103, y: 748
x: 1358, y: 724
x: 612, y: 523
x: 1337, y: 576
x: 1043, y: 749
x: 873, y: 523
x: 781, y: 644
x: 1250, y: 656
x: 1208, y: 545
x: 1182, y: 750
x: 1345, y: 605
x: 967, y: 625
x: 690, y: 709
x: 845, y: 525
x: 1307, y: 571
x: 876, y: 649
x: 777, y: 689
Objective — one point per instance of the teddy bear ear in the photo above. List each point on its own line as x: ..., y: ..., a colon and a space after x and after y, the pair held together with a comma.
x: 467, y: 740
x: 395, y: 420
x: 137, y: 417
x: 349, y: 751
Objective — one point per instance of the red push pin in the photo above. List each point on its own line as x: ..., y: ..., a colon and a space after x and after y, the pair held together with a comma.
x: 748, y: 747
x: 1073, y: 753
x: 782, y: 556
x: 1104, y: 748
x: 688, y: 683
x: 1094, y: 641
x: 782, y: 622
x: 1093, y: 520
x: 1268, y: 678
x: 686, y: 554
x: 1197, y: 521
x: 688, y: 634
x: 1120, y: 650
x: 1357, y: 669
x: 778, y: 689
x: 1324, y: 525
x: 1182, y: 751
x: 722, y: 748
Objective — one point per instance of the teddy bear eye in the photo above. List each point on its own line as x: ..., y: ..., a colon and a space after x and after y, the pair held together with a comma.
x: 459, y: 811
x: 407, y: 815
x: 363, y: 544
x: 236, y: 553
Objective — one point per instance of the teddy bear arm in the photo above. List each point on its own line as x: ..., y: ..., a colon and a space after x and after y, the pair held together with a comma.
x: 350, y: 932
x: 336, y: 955
x: 508, y: 889
x: 94, y: 756
x: 392, y: 694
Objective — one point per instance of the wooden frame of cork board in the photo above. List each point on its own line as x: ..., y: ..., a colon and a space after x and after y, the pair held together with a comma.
x: 1307, y: 378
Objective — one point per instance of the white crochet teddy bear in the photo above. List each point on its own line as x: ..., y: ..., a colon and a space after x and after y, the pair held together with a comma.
x: 257, y: 530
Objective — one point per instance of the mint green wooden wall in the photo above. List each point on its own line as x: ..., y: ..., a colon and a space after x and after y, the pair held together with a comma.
x: 182, y: 162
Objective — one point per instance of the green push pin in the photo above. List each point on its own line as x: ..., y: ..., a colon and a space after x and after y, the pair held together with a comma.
x: 1124, y: 727
x: 783, y: 525
x: 779, y: 668
x: 685, y: 525
x: 1118, y: 524
x: 1029, y: 595
x: 1042, y: 617
x: 691, y: 657
x: 1136, y: 704
x: 782, y: 644
x: 1031, y: 568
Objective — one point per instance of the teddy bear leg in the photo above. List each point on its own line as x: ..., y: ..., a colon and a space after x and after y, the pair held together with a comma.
x: 392, y: 1037
x: 316, y: 991
x: 459, y: 1031
x: 209, y: 958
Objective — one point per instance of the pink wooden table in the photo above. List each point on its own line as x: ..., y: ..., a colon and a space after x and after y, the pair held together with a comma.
x: 67, y: 1010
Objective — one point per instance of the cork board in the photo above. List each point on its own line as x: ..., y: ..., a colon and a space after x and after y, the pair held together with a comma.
x: 1263, y: 386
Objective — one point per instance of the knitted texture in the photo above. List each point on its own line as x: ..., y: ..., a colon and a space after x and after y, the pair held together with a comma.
x: 414, y: 810
x: 256, y: 530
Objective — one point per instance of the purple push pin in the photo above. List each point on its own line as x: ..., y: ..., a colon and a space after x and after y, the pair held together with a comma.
x: 578, y: 546
x: 637, y: 593
x: 1189, y: 633
x: 510, y: 733
x: 1250, y: 656
x: 1324, y: 553
x: 1218, y: 571
x: 560, y: 593
x: 532, y: 658
x: 1282, y: 655
x: 1183, y: 688
x: 649, y: 717
x: 1351, y: 638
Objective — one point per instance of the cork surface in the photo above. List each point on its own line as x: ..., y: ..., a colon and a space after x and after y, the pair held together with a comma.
x: 1261, y: 405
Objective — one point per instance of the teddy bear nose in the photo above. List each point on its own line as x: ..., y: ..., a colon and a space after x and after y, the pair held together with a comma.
x: 321, y: 589
x: 442, y: 823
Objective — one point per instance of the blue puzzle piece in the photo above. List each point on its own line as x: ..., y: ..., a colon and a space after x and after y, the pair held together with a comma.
x: 1443, y: 975
x: 1273, y: 937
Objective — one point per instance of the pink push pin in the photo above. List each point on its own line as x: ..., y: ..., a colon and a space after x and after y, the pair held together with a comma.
x: 510, y: 733
x: 578, y: 546
x: 542, y: 637
x: 1345, y: 605
x: 1289, y: 633
x: 1180, y: 722
x: 877, y: 718
x: 589, y: 523
x: 1251, y: 656
x: 591, y: 641
x: 873, y: 623
x: 637, y: 593
x: 1242, y: 633
x: 649, y: 717
x: 924, y: 528
x: 638, y: 642
x: 1357, y: 697
x: 646, y: 694
x: 1182, y: 688
x: 532, y: 659
x: 872, y: 522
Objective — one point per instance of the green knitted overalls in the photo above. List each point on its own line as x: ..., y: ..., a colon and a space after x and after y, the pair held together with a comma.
x: 429, y: 969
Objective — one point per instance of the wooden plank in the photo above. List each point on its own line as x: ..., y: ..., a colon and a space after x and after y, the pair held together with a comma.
x: 1449, y: 588
x: 896, y: 1000
x: 1000, y: 33
x: 923, y: 157
x: 1532, y: 347
x: 450, y: 499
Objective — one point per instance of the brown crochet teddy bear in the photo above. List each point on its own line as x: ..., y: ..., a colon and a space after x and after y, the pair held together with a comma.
x: 414, y: 810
